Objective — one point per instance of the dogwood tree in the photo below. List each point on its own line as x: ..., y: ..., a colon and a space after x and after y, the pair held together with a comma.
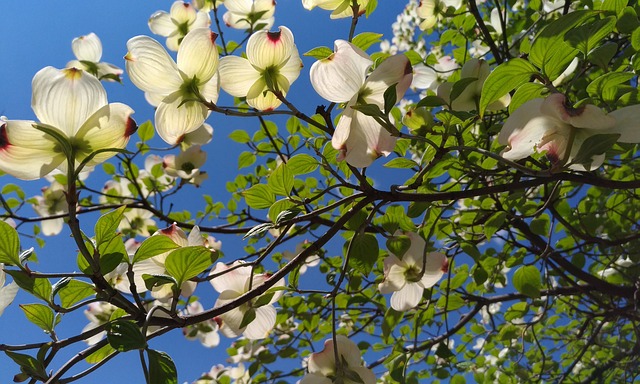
x: 457, y: 202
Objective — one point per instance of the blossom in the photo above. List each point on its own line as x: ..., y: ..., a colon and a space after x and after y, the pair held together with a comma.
x: 118, y: 277
x: 7, y: 292
x: 153, y: 177
x: 72, y: 106
x: 137, y: 221
x: 408, y: 275
x: 88, y: 52
x: 206, y: 332
x: 52, y: 202
x: 431, y: 11
x: 553, y: 126
x: 182, y: 18
x: 177, y: 87
x: 156, y: 265
x: 206, y: 5
x: 340, y: 8
x: 98, y: 314
x: 467, y: 100
x: 234, y: 281
x: 186, y: 164
x: 310, y: 261
x: 249, y: 14
x: 425, y: 77
x: 323, y: 368
x: 272, y: 65
x: 342, y: 77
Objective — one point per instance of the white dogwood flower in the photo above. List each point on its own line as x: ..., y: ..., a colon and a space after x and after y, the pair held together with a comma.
x: 88, y: 52
x: 174, y: 25
x: 342, y: 78
x: 249, y: 14
x: 272, y: 64
x: 7, y: 292
x: 340, y: 8
x: 431, y: 11
x: 53, y: 201
x: 551, y: 125
x: 323, y: 368
x: 74, y: 120
x: 178, y: 86
x: 408, y: 276
x: 233, y: 284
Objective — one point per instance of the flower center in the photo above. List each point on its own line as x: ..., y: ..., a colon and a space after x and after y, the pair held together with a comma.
x: 413, y: 274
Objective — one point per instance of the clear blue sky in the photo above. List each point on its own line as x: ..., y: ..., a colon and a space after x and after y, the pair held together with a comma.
x: 39, y: 35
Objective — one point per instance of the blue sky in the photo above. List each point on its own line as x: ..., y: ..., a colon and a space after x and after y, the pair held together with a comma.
x: 40, y: 35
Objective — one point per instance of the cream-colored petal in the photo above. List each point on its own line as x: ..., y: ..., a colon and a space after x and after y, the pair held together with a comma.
x: 394, y: 70
x: 237, y: 75
x: 407, y: 298
x: 66, y: 98
x: 243, y: 7
x: 202, y: 20
x: 160, y: 23
x: 437, y: 265
x: 87, y: 48
x: 150, y: 67
x: 394, y: 278
x: 588, y: 116
x: 340, y: 76
x: 343, y: 129
x: 315, y: 378
x: 26, y: 152
x: 198, y: 55
x: 7, y: 294
x: 415, y: 254
x: 182, y: 13
x: 627, y: 124
x: 266, y: 6
x: 234, y: 280
x: 266, y: 49
x: 52, y: 227
x: 423, y: 77
x: 110, y: 127
x: 367, y: 141
x: 175, y: 118
x: 262, y: 325
x: 211, y: 89
x: 291, y: 70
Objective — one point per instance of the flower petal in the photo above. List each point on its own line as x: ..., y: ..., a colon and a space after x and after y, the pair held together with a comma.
x: 406, y: 298
x: 237, y: 75
x: 160, y: 23
x: 339, y: 77
x: 266, y: 49
x: 627, y: 124
x: 234, y: 280
x: 25, y: 152
x: 262, y: 325
x: 436, y: 266
x: 110, y: 127
x: 66, y: 98
x: 176, y: 118
x: 198, y: 55
x: 291, y: 70
x: 87, y: 48
x: 150, y: 67
x: 394, y: 70
x: 182, y: 13
x: 588, y: 116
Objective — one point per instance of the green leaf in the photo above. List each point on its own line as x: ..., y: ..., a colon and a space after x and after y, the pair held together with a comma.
x: 302, y: 164
x: 279, y: 207
x: 364, y: 253
x: 459, y: 87
x: 107, y: 225
x: 162, y: 370
x: 248, y: 317
x: 246, y: 159
x: 153, y: 246
x: 39, y: 287
x: 240, y: 136
x: 74, y: 291
x: 369, y: 109
x: 40, y: 315
x: 431, y: 101
x: 494, y: 223
x: 593, y: 146
x: 100, y: 354
x: 125, y: 336
x: 526, y: 92
x: 146, y: 131
x: 610, y: 86
x: 151, y: 281
x: 549, y: 52
x: 112, y: 253
x: 628, y: 21
x: 480, y: 275
x: 390, y: 98
x: 259, y: 196
x: 280, y: 181
x: 527, y: 281
x: 9, y: 245
x: 516, y: 311
x: 391, y: 319
x: 258, y: 230
x: 365, y: 40
x: 587, y: 36
x: 29, y: 365
x: 401, y: 162
x: 319, y: 53
x: 505, y: 78
x: 398, y: 245
x: 188, y: 262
